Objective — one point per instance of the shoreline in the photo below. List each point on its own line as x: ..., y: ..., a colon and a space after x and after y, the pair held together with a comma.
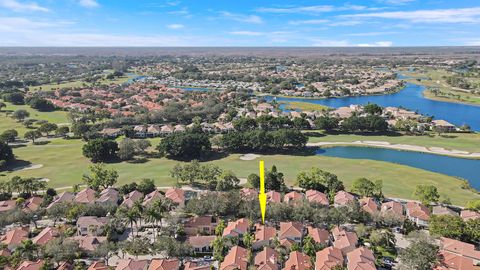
x: 401, y: 147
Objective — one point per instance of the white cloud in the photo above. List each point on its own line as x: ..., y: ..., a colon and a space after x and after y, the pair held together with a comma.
x: 345, y: 23
x: 241, y: 17
x: 462, y: 15
x: 396, y: 2
x: 313, y: 9
x: 175, y: 26
x: 369, y: 34
x: 303, y: 9
x: 377, y: 44
x: 330, y: 43
x: 246, y: 33
x: 308, y: 22
x: 89, y: 3
x: 22, y: 25
x: 21, y: 6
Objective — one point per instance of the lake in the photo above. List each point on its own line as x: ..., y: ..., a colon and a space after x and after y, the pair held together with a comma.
x: 452, y: 166
x: 410, y: 97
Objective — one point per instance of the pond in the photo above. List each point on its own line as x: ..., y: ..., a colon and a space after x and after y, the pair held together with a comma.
x: 411, y: 97
x: 452, y: 166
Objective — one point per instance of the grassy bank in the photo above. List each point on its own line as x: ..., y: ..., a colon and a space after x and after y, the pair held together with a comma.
x: 437, y: 81
x: 303, y: 106
x: 64, y: 165
x: 469, y: 142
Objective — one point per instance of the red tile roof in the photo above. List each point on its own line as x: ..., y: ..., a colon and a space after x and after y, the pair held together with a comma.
x: 328, y: 258
x: 267, y: 259
x: 361, y: 259
x: 319, y: 235
x: 315, y: 196
x: 298, y: 261
x: 235, y: 259
x: 290, y: 230
x: 164, y: 264
x: 130, y: 264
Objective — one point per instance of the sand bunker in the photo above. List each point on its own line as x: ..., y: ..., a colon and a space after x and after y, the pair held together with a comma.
x: 249, y: 157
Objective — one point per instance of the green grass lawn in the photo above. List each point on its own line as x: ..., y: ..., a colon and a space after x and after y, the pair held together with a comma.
x: 447, y: 92
x: 79, y: 83
x: 64, y: 165
x: 303, y: 106
x: 6, y: 122
x: 458, y: 141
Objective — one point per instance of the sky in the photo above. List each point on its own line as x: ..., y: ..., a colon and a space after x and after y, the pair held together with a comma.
x: 322, y: 23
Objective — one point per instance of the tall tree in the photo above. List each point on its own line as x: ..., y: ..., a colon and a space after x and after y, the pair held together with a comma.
x: 420, y: 255
x: 427, y: 194
x: 100, y: 177
x: 100, y: 150
x: 32, y: 135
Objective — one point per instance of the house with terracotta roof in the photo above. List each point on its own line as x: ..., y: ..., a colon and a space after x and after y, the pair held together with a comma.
x: 196, y: 266
x: 153, y: 131
x: 236, y: 259
x: 88, y: 243
x: 200, y: 225
x: 469, y: 215
x: 62, y: 198
x: 392, y: 208
x: 8, y: 205
x: 344, y: 240
x: 176, y: 195
x: 32, y: 203
x: 97, y: 265
x: 315, y: 196
x: 328, y: 259
x: 45, y: 236
x: 164, y: 264
x: 293, y: 197
x: 65, y: 266
x: 152, y: 196
x: 108, y: 195
x: 249, y: 193
x: 291, y: 230
x: 91, y: 225
x: 201, y: 243
x: 267, y: 259
x: 458, y: 255
x: 361, y: 258
x: 5, y: 252
x: 29, y: 265
x: 237, y: 228
x: 14, y: 237
x: 287, y: 243
x: 368, y: 205
x: 131, y: 264
x: 418, y: 213
x: 443, y: 210
x: 132, y: 197
x: 85, y: 196
x: 343, y: 198
x: 274, y: 197
x: 320, y: 236
x: 298, y: 261
x: 263, y: 236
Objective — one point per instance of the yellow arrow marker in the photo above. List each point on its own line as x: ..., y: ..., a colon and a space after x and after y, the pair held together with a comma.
x: 262, y: 197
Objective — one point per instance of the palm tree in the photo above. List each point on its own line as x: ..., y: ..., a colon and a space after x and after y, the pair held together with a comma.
x: 130, y: 216
x: 155, y: 212
x: 26, y: 249
x: 138, y: 207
